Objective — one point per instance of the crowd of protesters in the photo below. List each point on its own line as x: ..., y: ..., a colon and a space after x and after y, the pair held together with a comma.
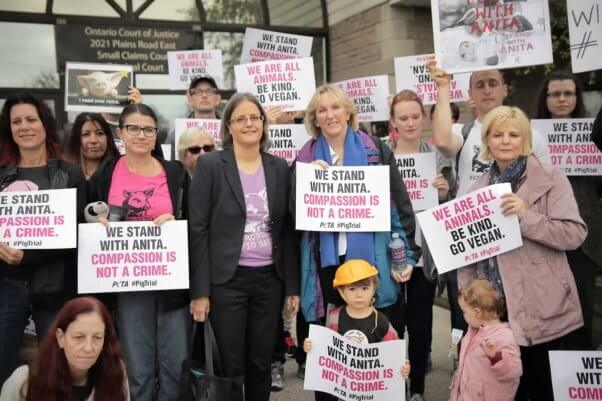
x: 248, y: 264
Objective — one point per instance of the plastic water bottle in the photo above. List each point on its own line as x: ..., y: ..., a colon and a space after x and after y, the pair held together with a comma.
x: 398, y: 253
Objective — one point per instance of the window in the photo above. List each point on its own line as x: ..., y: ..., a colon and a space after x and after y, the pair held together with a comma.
x: 234, y: 11
x: 172, y: 10
x: 24, y: 6
x: 22, y: 69
x: 231, y: 46
x: 84, y: 7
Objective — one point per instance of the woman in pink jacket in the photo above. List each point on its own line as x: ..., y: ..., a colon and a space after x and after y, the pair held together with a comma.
x: 535, y: 279
x: 489, y: 367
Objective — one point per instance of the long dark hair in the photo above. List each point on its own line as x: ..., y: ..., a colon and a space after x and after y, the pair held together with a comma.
x: 237, y: 99
x: 49, y: 376
x: 9, y: 151
x: 542, y: 96
x: 74, y: 143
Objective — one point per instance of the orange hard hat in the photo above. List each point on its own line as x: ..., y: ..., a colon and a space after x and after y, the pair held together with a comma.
x: 352, y: 271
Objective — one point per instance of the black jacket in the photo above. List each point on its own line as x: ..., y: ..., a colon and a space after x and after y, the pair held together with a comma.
x: 99, y: 186
x: 52, y: 272
x: 218, y: 217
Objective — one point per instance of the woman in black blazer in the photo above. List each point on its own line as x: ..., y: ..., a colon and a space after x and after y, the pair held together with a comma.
x: 243, y: 254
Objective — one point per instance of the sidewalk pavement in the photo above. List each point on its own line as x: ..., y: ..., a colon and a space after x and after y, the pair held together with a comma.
x: 437, y: 381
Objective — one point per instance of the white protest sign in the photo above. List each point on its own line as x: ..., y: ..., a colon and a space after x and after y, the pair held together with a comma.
x: 288, y: 83
x: 287, y: 140
x: 470, y: 228
x: 585, y: 34
x: 570, y: 145
x: 132, y: 256
x: 485, y: 35
x: 411, y: 73
x: 261, y: 45
x: 98, y: 88
x: 166, y: 149
x: 31, y: 219
x: 185, y: 65
x: 343, y: 198
x: 418, y: 172
x: 576, y: 375
x: 212, y: 126
x: 369, y: 95
x: 352, y: 371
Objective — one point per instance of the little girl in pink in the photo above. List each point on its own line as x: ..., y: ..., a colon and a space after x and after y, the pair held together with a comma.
x: 490, y: 365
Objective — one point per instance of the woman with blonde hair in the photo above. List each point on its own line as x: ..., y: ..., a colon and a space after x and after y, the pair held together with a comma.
x: 534, y: 280
x: 332, y: 120
x: 193, y: 143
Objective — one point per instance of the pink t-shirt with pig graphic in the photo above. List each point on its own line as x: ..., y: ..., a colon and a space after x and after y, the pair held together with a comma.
x: 141, y: 198
x: 257, y: 240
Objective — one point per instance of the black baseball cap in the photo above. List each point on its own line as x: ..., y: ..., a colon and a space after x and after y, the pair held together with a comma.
x: 202, y: 78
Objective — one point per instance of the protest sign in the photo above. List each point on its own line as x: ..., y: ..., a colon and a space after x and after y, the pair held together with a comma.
x: 132, y: 256
x: 485, y: 35
x: 261, y: 45
x: 31, y: 219
x: 288, y: 83
x: 369, y: 95
x: 166, y: 149
x: 576, y: 375
x: 585, y: 34
x: 185, y: 65
x: 570, y: 145
x: 342, y: 198
x: 287, y: 140
x: 411, y: 73
x: 352, y: 371
x: 99, y: 88
x: 418, y: 172
x: 470, y: 228
x: 212, y: 126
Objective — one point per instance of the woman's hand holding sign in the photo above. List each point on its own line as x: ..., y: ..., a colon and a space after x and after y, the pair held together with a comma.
x: 442, y: 186
x: 11, y: 255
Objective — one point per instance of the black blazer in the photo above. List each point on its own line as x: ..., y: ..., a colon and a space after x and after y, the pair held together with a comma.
x: 217, y: 219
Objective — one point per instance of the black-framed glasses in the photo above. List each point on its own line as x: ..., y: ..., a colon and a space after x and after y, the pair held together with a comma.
x: 558, y: 94
x: 134, y: 130
x: 195, y: 150
x: 242, y: 120
x: 203, y: 92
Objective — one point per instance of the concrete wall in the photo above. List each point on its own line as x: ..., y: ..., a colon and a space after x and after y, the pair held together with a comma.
x: 366, y: 43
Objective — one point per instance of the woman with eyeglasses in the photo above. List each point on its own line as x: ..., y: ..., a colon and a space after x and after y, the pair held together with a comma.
x: 194, y: 143
x: 243, y: 254
x: 561, y: 96
x: 154, y: 326
x: 90, y: 143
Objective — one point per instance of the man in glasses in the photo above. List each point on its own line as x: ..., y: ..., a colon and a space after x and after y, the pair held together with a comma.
x: 203, y: 98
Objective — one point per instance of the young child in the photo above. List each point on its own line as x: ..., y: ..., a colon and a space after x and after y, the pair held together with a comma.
x: 356, y: 280
x: 490, y: 365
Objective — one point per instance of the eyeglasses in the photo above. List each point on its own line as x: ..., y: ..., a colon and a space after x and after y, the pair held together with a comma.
x: 559, y: 94
x: 197, y: 149
x: 203, y: 92
x: 134, y: 130
x: 244, y: 119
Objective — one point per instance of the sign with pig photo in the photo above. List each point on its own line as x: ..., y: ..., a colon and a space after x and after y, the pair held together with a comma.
x: 99, y: 88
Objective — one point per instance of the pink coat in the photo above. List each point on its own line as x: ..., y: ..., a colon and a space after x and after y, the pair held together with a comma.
x: 476, y: 379
x: 540, y: 290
